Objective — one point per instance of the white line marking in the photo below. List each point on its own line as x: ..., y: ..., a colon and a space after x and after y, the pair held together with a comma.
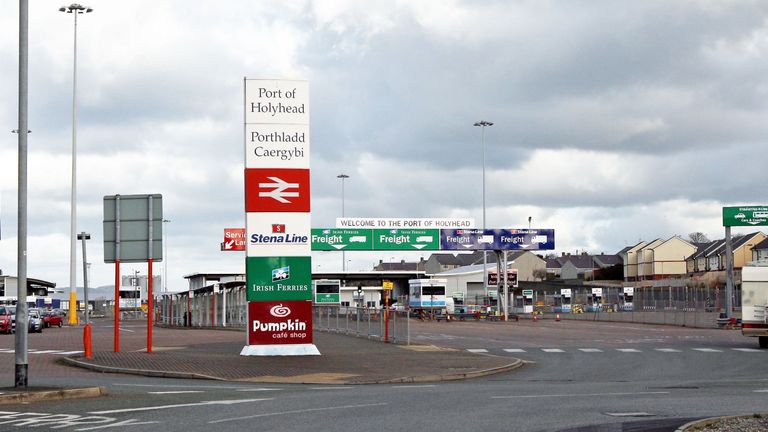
x: 514, y: 350
x: 668, y: 350
x: 152, y: 408
x: 414, y: 386
x: 747, y: 349
x: 707, y: 350
x: 576, y: 395
x: 182, y: 386
x: 760, y: 391
x: 552, y: 350
x: 70, y: 352
x: 44, y: 352
x: 129, y: 422
x: 477, y: 350
x: 175, y: 392
x: 297, y: 412
x: 630, y: 414
x: 331, y: 388
x: 628, y: 350
x: 256, y: 389
x: 590, y: 350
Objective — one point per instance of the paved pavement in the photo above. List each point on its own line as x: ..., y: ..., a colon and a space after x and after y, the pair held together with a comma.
x: 215, y: 354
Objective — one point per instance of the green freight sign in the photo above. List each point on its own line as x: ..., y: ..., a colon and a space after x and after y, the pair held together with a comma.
x: 332, y: 239
x: 745, y: 216
x: 279, y: 278
x: 327, y: 298
x: 406, y: 239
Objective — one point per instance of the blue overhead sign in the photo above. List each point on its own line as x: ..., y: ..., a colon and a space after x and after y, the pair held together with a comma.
x: 498, y: 239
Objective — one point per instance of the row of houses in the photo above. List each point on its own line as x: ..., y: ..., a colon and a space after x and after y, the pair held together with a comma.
x: 676, y: 257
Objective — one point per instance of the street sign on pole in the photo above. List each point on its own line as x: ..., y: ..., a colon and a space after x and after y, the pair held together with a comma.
x: 406, y: 239
x: 234, y: 239
x: 332, y: 239
x: 497, y: 239
x: 745, y: 216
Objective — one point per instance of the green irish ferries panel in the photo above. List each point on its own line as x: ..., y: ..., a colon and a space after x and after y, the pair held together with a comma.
x: 279, y: 278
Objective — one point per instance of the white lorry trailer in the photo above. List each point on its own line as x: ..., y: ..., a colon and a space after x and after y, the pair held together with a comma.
x: 754, y: 301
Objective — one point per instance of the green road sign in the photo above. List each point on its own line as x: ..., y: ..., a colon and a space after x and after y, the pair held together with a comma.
x: 279, y: 278
x: 327, y: 298
x: 745, y: 216
x: 528, y: 293
x: 331, y: 239
x: 406, y: 239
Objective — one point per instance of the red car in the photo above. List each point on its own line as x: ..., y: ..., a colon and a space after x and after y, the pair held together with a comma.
x: 6, y: 320
x: 52, y: 318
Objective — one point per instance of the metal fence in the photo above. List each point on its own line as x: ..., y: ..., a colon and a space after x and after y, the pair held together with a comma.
x: 669, y: 303
x: 374, y: 323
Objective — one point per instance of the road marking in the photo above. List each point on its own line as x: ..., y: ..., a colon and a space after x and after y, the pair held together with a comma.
x: 668, y: 350
x: 576, y: 395
x: 308, y: 410
x: 747, y: 349
x: 130, y: 422
x: 175, y: 392
x: 630, y: 414
x: 223, y: 387
x: 160, y: 407
x: 258, y: 389
x: 70, y: 352
x: 628, y: 350
x: 590, y: 350
x: 408, y: 386
x: 552, y: 350
x: 514, y: 350
x: 330, y: 388
x: 707, y: 350
x: 43, y: 351
x: 477, y: 350
x: 760, y: 391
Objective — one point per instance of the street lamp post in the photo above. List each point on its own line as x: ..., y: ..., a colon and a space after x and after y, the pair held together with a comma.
x: 482, y: 124
x: 74, y: 9
x: 343, y: 254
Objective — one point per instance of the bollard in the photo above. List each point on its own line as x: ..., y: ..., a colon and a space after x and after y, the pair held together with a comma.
x: 557, y: 317
x: 87, y: 341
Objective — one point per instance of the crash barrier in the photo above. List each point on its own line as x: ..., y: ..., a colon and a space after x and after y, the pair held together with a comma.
x: 374, y: 323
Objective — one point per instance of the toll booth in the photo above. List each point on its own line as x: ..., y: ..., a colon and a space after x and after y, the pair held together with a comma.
x: 629, y: 299
x: 565, y: 300
x: 597, y: 298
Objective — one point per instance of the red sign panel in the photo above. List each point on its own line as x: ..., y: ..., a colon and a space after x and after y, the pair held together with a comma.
x: 277, y: 190
x: 234, y: 239
x: 280, y: 322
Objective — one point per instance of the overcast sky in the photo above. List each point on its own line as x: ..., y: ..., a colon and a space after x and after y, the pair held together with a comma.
x: 614, y: 121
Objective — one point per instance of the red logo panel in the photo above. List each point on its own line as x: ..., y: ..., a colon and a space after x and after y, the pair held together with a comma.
x: 277, y: 190
x: 281, y: 322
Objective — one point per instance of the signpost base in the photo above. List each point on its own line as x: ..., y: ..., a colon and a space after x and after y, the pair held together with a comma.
x: 280, y: 350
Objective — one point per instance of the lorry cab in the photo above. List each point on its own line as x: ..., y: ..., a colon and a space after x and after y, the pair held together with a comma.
x: 754, y: 301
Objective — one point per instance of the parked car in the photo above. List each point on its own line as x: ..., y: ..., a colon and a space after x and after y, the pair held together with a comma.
x: 13, y: 317
x: 6, y: 320
x: 53, y: 318
x: 35, y: 321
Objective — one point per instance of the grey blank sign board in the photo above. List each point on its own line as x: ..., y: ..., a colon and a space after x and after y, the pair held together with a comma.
x: 134, y: 227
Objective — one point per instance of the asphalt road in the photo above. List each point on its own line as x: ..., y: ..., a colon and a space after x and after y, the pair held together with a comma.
x: 580, y: 377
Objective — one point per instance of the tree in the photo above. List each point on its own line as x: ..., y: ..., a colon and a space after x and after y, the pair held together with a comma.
x: 698, y: 237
